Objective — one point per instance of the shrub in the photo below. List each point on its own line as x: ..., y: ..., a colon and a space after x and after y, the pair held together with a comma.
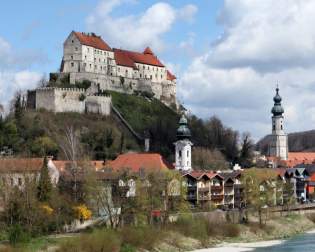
x: 100, y: 240
x: 18, y: 235
x: 311, y: 216
x: 140, y: 237
x: 82, y: 97
x: 192, y: 227
x: 127, y: 248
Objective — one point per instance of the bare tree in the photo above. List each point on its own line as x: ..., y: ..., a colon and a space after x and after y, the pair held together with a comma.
x: 43, y: 82
x: 70, y: 145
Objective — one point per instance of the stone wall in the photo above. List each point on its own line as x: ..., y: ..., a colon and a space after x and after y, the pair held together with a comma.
x: 71, y: 100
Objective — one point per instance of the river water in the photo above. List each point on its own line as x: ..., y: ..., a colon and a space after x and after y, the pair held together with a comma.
x: 300, y: 243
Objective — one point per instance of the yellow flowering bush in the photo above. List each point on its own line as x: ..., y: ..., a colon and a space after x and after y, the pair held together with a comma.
x: 47, y: 209
x: 82, y: 212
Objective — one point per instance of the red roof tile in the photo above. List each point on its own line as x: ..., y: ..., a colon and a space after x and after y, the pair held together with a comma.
x: 170, y: 76
x: 93, y: 41
x: 148, y: 59
x: 136, y: 161
x: 122, y: 59
x: 296, y: 158
x: 148, y: 51
x: 21, y: 165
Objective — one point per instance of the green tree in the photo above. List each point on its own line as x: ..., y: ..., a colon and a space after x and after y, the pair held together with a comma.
x: 259, y: 190
x: 44, y: 188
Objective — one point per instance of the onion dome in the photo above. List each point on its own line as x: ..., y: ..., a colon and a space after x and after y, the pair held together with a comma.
x: 277, y: 109
x: 183, y: 131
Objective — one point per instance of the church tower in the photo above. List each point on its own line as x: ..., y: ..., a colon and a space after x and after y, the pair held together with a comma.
x: 279, y: 139
x: 183, y: 146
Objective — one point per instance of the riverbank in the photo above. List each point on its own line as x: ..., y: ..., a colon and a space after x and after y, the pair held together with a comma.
x: 276, y: 232
x: 196, y: 235
x: 251, y: 236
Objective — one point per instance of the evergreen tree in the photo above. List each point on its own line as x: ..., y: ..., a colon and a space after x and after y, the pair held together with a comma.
x: 18, y: 110
x: 44, y: 187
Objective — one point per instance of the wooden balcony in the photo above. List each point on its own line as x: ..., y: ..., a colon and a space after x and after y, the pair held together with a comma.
x: 229, y: 185
x: 204, y: 197
x: 216, y: 197
x: 204, y: 189
x: 216, y: 188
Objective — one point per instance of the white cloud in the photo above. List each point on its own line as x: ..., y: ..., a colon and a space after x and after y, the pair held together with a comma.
x: 137, y: 31
x: 187, y: 12
x: 264, y: 43
x: 11, y: 79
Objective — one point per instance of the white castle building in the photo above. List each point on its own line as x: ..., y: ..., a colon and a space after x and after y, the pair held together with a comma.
x: 279, y: 139
x: 88, y: 57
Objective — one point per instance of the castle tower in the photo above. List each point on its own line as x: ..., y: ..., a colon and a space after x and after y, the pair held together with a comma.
x: 279, y: 139
x: 183, y: 146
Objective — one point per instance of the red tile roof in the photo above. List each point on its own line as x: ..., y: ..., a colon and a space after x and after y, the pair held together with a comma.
x: 200, y: 174
x: 143, y: 58
x: 170, y: 76
x: 93, y: 41
x: 21, y: 165
x: 148, y: 51
x: 62, y: 165
x: 122, y: 59
x: 296, y: 158
x: 136, y: 161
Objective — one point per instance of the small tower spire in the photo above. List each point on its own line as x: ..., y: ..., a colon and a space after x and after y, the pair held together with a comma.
x: 279, y: 140
x: 183, y: 146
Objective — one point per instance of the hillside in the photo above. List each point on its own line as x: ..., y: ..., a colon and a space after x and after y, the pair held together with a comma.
x: 35, y: 133
x: 151, y: 116
x: 298, y: 141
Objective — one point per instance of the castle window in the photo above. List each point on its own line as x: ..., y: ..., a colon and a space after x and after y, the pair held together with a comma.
x: 118, y: 69
x: 85, y: 56
x: 20, y: 181
x: 95, y: 67
x: 76, y: 48
x: 88, y: 49
x: 281, y: 127
x: 273, y: 127
x: 12, y: 181
x: 151, y: 77
x: 94, y: 59
x: 72, y: 41
x: 90, y: 65
x: 72, y: 64
x: 180, y: 154
x: 161, y: 76
x: 140, y: 75
x: 188, y: 153
x: 71, y: 57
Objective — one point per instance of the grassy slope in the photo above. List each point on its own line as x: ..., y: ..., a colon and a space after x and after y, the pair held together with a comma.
x: 142, y: 113
x: 151, y: 116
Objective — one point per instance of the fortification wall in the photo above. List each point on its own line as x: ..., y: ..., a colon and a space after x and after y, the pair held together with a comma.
x: 45, y: 98
x: 71, y: 100
x: 98, y: 104
x: 68, y: 100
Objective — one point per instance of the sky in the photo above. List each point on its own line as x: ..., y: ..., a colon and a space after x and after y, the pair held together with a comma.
x: 228, y: 55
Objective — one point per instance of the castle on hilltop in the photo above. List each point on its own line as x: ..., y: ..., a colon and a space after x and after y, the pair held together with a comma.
x: 87, y: 56
x: 90, y: 68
